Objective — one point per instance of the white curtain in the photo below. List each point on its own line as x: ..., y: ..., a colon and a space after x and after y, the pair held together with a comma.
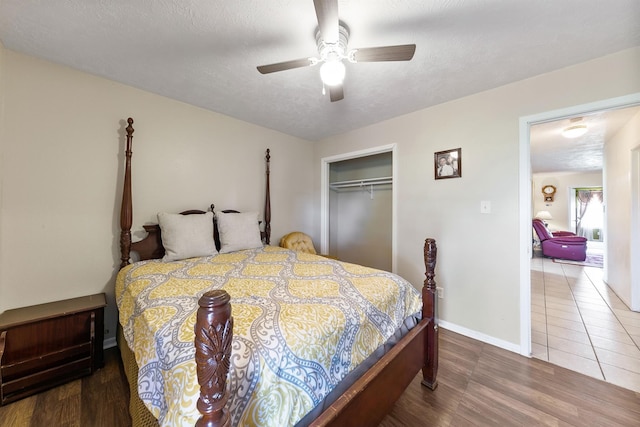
x: 590, y: 213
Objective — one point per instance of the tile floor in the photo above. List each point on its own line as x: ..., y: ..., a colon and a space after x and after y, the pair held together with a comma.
x: 579, y: 323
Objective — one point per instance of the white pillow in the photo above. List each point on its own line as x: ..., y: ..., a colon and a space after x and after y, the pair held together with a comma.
x: 186, y: 236
x: 238, y: 231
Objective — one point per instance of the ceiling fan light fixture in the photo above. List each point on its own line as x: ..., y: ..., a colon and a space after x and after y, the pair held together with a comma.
x: 574, y: 131
x: 332, y: 73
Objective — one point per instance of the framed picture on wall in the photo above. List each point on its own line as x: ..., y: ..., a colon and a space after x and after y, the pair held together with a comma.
x: 448, y: 164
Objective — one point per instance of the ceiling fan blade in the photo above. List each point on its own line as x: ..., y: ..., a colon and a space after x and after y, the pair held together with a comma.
x: 328, y: 21
x: 336, y: 93
x: 282, y: 66
x: 385, y: 53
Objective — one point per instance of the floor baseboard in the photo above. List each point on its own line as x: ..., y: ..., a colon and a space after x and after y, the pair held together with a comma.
x: 506, y: 345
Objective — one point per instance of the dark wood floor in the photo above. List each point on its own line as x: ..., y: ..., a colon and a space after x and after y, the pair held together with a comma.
x: 479, y: 385
x: 101, y: 399
x: 483, y: 385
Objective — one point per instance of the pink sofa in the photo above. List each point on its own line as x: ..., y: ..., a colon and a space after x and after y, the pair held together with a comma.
x: 565, y: 247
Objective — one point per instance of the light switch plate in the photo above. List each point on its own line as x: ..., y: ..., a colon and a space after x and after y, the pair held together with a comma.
x: 485, y: 207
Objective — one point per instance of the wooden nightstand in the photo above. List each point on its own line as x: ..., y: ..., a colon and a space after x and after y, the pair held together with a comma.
x: 45, y: 345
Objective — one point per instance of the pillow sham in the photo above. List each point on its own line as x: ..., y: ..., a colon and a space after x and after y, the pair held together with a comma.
x: 238, y: 231
x: 186, y: 236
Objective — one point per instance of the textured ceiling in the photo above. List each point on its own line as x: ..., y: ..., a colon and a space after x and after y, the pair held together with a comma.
x: 552, y: 152
x: 205, y: 52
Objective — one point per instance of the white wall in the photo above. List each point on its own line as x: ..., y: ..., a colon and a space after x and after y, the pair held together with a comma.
x: 560, y: 207
x: 478, y: 254
x: 2, y: 54
x: 63, y: 146
x: 617, y: 173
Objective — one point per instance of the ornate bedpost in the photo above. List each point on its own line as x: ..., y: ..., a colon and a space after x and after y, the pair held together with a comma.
x: 267, y: 204
x: 126, y: 210
x: 214, y: 331
x: 429, y: 296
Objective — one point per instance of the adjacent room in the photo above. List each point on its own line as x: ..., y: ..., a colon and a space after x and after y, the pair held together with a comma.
x: 158, y: 158
x: 581, y: 315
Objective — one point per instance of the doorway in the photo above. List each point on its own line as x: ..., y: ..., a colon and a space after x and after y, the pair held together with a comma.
x: 367, y: 191
x: 361, y: 191
x: 525, y: 198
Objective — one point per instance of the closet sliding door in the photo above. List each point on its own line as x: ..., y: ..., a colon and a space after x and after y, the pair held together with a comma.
x: 360, y: 210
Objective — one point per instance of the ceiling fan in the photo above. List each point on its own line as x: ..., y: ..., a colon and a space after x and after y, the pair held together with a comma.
x: 332, y: 39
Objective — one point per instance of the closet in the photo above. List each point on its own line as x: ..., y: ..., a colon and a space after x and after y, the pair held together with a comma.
x: 360, y: 210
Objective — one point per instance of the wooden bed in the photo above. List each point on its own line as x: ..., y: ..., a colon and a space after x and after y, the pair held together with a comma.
x: 364, y: 403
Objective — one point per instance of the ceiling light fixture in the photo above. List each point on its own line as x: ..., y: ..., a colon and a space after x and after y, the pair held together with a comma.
x: 332, y: 70
x: 575, y: 130
x: 332, y: 73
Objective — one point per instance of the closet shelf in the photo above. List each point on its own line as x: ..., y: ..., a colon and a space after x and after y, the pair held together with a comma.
x: 367, y: 182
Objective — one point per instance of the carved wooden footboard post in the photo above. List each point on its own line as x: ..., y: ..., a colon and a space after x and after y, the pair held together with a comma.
x: 214, y: 331
x: 267, y: 203
x: 126, y: 210
x: 429, y: 297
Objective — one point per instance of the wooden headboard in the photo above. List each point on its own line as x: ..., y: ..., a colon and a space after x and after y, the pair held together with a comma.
x: 151, y: 246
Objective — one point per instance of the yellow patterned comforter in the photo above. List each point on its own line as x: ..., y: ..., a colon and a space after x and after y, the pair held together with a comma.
x: 301, y: 323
